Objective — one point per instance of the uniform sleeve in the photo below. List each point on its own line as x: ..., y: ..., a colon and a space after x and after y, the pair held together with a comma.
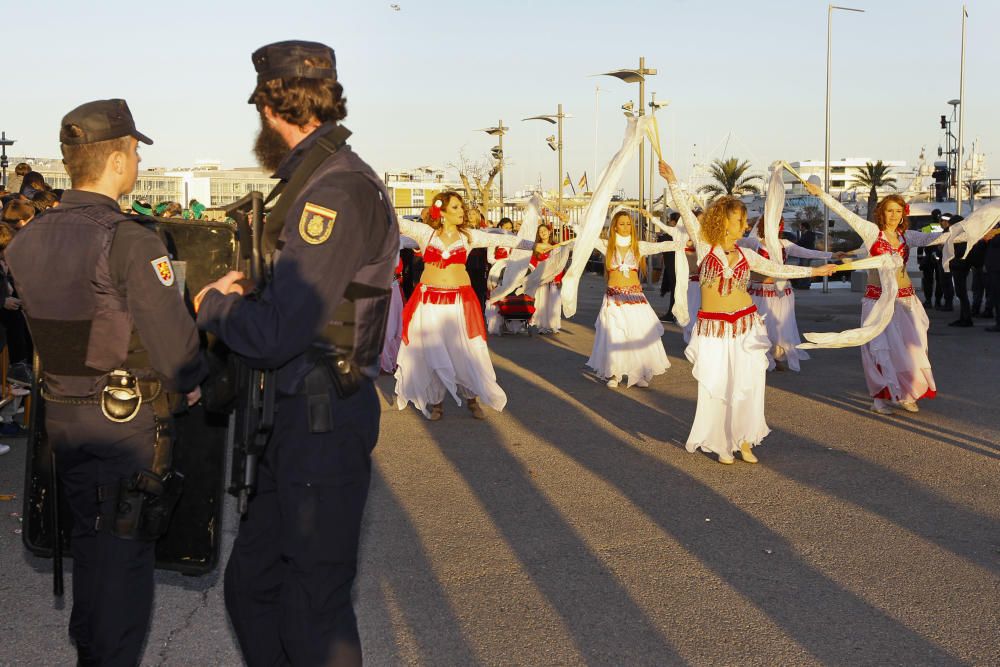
x: 774, y: 269
x: 328, y: 237
x: 141, y: 268
x: 794, y: 250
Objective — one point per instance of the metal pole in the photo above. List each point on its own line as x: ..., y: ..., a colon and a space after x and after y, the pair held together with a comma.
x: 500, y: 125
x: 961, y: 115
x: 642, y: 145
x: 559, y: 181
x: 826, y: 146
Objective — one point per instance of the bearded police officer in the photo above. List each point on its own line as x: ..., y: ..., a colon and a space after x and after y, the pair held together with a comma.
x: 114, y: 338
x: 320, y: 323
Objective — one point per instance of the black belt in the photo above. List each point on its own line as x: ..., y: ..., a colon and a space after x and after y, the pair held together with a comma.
x: 150, y: 390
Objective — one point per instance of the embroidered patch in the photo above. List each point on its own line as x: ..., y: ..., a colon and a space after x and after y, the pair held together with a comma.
x: 316, y: 223
x: 164, y: 270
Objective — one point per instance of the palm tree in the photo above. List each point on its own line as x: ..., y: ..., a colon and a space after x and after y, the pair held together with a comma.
x: 731, y: 179
x: 973, y: 188
x: 874, y: 176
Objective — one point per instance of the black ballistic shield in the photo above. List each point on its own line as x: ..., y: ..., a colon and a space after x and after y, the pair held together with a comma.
x: 202, y: 251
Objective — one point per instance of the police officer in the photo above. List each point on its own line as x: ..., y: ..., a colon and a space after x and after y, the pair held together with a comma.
x: 114, y: 338
x: 320, y: 322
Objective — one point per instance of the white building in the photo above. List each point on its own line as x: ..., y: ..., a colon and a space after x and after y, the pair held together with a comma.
x: 843, y: 174
x: 416, y: 188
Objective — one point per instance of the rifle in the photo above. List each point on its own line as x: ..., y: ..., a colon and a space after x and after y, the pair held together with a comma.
x: 253, y: 417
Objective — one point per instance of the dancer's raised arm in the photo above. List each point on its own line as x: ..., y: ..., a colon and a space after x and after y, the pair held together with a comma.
x: 687, y: 216
x: 868, y: 231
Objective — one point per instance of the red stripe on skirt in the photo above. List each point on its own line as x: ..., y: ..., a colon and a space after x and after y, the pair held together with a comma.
x: 474, y: 323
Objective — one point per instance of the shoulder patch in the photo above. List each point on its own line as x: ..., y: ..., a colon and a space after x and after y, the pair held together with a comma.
x: 164, y: 270
x: 316, y: 223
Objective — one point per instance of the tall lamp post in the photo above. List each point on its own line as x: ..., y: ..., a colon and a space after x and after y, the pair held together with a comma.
x: 4, y: 143
x: 826, y: 145
x: 961, y: 118
x: 637, y: 76
x: 497, y: 152
x: 556, y: 144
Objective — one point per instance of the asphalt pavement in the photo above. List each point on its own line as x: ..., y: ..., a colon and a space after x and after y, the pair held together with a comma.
x: 573, y: 528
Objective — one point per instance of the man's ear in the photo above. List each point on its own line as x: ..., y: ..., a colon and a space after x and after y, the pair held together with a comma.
x: 269, y: 115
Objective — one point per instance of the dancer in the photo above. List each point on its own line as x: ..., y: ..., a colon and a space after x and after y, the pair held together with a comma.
x: 627, y: 332
x: 776, y: 301
x: 897, y: 368
x: 729, y: 343
x: 548, y: 304
x: 498, y: 259
x: 444, y: 336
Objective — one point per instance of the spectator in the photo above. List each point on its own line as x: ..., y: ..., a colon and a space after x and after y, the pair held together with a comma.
x: 18, y: 212
x: 11, y: 318
x: 196, y: 208
x: 44, y: 199
x: 33, y: 182
x: 669, y: 280
x: 929, y: 261
x: 992, y: 266
x: 168, y: 209
x: 960, y: 275
x: 142, y: 207
x: 807, y: 240
x: 20, y: 171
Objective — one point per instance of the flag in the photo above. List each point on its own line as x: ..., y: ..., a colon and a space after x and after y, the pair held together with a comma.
x: 583, y: 183
x: 568, y: 183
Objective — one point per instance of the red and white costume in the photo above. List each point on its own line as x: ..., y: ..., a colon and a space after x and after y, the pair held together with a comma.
x: 547, y: 296
x: 444, y: 336
x: 728, y: 350
x: 895, y: 362
x: 776, y: 303
x: 627, y: 333
x: 494, y: 322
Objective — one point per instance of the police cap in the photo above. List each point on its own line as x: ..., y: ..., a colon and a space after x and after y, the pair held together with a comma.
x: 287, y: 60
x: 99, y: 120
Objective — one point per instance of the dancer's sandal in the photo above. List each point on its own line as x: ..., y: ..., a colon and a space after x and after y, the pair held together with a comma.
x: 474, y: 408
x: 746, y: 451
x: 726, y: 459
x: 437, y: 411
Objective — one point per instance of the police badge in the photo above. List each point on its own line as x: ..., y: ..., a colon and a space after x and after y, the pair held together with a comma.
x: 316, y: 223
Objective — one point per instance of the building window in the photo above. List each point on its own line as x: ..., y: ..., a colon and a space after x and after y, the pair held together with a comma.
x: 838, y: 170
x: 837, y: 184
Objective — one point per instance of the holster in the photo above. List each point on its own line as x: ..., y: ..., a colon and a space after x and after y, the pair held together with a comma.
x: 144, y: 503
x: 329, y: 370
x: 121, y: 399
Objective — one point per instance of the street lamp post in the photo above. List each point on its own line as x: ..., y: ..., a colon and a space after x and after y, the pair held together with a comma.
x: 498, y: 132
x: 637, y: 76
x: 4, y: 143
x: 961, y: 118
x: 826, y: 145
x: 556, y: 119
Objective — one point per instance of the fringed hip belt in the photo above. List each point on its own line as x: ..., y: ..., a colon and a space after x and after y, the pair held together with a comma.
x: 874, y: 292
x: 720, y: 325
x: 446, y: 296
x: 768, y: 290
x: 624, y: 296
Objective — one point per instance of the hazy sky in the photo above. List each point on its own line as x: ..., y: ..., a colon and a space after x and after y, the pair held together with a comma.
x: 420, y: 81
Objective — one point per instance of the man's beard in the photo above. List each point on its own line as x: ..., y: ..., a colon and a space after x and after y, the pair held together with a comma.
x: 269, y: 147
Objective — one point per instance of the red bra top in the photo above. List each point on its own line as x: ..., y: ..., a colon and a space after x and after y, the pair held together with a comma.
x: 535, y: 259
x: 713, y: 268
x: 762, y: 251
x: 442, y: 258
x: 501, y: 253
x: 882, y: 247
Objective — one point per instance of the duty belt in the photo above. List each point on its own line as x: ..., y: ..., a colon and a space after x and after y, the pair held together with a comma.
x: 150, y: 390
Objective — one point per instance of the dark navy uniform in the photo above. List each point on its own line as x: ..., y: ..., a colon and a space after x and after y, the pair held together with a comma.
x: 289, y: 578
x: 98, y: 292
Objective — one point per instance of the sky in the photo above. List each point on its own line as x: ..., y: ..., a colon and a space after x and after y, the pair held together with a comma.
x: 744, y: 79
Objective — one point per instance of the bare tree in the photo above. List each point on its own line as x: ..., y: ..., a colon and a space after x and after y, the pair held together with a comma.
x: 482, y: 172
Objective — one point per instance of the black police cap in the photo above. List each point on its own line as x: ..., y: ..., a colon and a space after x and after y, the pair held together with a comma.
x: 99, y: 120
x: 287, y: 60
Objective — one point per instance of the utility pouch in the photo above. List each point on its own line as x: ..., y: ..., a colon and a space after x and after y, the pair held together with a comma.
x: 345, y: 376
x: 145, y: 505
x: 120, y: 400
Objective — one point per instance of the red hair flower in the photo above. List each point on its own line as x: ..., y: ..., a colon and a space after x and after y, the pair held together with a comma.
x: 906, y: 210
x: 436, y: 209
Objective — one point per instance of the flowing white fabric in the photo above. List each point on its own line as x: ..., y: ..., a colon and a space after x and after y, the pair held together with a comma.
x: 773, y: 206
x: 519, y: 261
x: 596, y: 212
x: 876, y: 320
x: 441, y: 359
x: 971, y: 230
x: 548, y: 308
x: 681, y: 292
x: 628, y: 342
x: 895, y: 362
x: 731, y: 374
x: 548, y: 269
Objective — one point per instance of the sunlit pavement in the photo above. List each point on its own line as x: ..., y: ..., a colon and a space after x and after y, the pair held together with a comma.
x: 574, y: 528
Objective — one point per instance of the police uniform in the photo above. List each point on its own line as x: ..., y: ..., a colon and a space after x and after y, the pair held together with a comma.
x: 289, y: 578
x: 99, y: 294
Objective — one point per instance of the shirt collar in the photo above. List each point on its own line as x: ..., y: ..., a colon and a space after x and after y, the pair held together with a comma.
x: 292, y: 160
x: 76, y: 198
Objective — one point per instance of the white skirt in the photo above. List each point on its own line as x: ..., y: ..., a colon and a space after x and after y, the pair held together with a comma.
x: 694, y: 305
x: 730, y: 364
x: 896, y: 364
x: 393, y: 330
x: 627, y: 338
x: 438, y: 357
x: 548, y: 307
x: 777, y: 307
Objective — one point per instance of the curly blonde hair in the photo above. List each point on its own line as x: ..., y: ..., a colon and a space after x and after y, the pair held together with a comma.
x: 713, y: 223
